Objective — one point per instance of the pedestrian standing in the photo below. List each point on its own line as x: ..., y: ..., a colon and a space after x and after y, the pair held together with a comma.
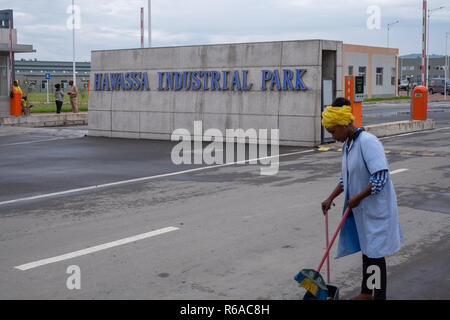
x: 73, y: 93
x: 59, y: 98
x: 15, y: 103
x: 372, y: 225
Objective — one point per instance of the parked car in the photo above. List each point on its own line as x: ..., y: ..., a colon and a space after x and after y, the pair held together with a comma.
x: 403, y: 85
x: 437, y: 86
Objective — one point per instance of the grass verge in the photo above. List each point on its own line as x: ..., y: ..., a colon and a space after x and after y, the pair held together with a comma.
x: 47, y: 108
x: 386, y: 99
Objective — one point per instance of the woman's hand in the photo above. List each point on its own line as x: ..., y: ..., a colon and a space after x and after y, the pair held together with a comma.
x: 326, y: 205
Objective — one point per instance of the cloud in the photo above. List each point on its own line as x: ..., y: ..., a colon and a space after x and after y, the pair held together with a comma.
x: 113, y: 24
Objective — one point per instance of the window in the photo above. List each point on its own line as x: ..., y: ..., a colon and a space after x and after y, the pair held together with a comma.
x: 4, y: 77
x: 350, y: 70
x: 411, y: 68
x: 393, y: 77
x: 379, y: 79
x: 362, y: 72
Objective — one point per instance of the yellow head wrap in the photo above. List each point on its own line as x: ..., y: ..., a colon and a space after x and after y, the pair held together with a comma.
x: 337, y: 116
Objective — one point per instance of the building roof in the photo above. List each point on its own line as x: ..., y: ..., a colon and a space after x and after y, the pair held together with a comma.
x: 17, y: 48
x: 55, y: 68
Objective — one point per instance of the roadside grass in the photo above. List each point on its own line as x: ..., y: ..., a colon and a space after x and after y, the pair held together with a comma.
x: 386, y: 99
x: 41, y: 97
x: 48, y: 108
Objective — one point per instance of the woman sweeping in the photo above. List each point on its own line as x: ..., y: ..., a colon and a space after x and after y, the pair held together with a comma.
x: 372, y: 226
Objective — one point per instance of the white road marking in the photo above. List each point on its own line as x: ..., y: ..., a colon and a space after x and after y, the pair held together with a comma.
x: 113, y: 184
x: 89, y: 250
x: 399, y: 171
x: 28, y: 142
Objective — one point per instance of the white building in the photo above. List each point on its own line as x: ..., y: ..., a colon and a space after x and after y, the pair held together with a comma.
x: 378, y: 65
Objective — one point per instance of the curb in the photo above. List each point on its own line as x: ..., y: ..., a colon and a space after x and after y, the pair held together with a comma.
x: 46, y: 120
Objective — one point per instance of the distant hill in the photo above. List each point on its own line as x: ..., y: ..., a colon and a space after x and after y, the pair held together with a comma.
x: 418, y: 55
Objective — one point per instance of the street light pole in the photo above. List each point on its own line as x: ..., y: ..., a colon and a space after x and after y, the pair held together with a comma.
x: 388, y: 27
x: 424, y: 42
x: 446, y: 65
x: 11, y: 56
x: 445, y: 83
x: 149, y: 23
x: 73, y: 42
x: 142, y: 27
x: 430, y: 11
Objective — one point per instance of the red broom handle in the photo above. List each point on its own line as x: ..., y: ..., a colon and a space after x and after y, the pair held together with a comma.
x: 334, y: 238
x: 327, y: 243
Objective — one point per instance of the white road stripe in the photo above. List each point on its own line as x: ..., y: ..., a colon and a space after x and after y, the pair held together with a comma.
x: 112, y: 184
x: 399, y: 171
x: 28, y: 142
x: 89, y: 250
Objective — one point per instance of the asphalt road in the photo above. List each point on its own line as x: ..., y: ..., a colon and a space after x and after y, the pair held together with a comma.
x: 222, y: 232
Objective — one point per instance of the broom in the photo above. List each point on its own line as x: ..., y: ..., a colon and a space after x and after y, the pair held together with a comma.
x: 311, y: 279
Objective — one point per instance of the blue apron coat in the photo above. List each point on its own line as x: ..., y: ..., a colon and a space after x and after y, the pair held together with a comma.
x: 373, y: 227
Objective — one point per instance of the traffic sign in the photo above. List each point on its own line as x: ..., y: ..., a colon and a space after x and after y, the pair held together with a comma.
x: 47, y: 76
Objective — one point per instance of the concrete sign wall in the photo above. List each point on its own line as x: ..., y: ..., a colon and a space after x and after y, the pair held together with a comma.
x: 149, y: 93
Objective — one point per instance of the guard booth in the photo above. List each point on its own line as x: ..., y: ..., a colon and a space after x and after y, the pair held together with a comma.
x: 354, y: 92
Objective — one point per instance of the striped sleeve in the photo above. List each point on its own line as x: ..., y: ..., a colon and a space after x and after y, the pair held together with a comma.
x: 378, y: 180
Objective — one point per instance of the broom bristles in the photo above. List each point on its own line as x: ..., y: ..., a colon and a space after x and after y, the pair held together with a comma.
x: 309, y: 285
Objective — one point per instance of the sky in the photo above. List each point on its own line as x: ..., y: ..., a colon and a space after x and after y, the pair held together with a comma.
x: 114, y: 24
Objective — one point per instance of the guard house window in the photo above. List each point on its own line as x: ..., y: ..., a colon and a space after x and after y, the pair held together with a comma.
x: 393, y: 77
x: 379, y: 80
x: 350, y: 70
x: 3, y: 76
x: 362, y: 72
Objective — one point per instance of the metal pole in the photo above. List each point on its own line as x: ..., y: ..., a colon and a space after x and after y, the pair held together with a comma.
x: 430, y: 11
x: 424, y: 44
x: 388, y: 38
x: 11, y: 73
x: 149, y: 23
x: 445, y: 83
x: 142, y: 27
x: 446, y: 65
x: 389, y: 25
x: 428, y: 48
x: 73, y: 43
